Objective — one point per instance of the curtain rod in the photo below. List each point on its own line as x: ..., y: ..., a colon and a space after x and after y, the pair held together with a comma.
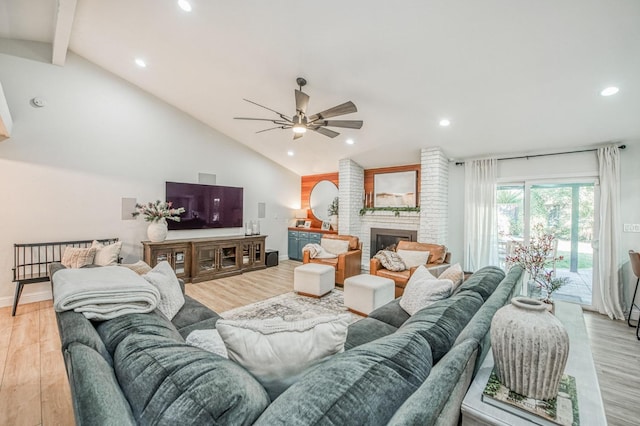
x: 461, y: 163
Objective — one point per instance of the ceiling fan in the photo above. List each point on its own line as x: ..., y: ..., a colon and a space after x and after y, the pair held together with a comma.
x: 301, y: 122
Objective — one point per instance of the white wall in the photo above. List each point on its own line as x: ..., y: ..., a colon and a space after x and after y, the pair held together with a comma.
x: 554, y: 166
x: 67, y: 165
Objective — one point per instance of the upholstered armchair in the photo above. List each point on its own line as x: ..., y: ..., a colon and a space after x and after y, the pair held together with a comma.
x: 438, y: 261
x: 347, y: 263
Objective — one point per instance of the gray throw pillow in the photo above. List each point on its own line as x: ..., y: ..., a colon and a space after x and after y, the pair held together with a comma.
x: 390, y: 260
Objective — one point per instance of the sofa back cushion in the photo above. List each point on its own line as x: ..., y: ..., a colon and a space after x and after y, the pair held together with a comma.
x: 478, y: 328
x: 437, y: 252
x: 484, y: 281
x: 441, y: 323
x: 439, y: 398
x: 115, y: 330
x: 92, y: 379
x: 75, y: 327
x: 391, y: 313
x: 167, y: 382
x: 367, y: 330
x: 363, y: 386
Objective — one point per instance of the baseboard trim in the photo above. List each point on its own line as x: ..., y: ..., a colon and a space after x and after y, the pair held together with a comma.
x: 38, y: 296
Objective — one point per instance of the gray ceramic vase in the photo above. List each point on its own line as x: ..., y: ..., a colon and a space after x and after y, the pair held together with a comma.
x: 530, y: 348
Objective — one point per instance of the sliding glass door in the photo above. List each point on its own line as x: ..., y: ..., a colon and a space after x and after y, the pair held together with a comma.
x: 567, y: 210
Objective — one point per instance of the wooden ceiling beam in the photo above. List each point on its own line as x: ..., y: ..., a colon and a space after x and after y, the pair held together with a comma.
x: 62, y: 33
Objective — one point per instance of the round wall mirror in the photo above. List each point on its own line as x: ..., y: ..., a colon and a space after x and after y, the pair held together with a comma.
x: 322, y: 195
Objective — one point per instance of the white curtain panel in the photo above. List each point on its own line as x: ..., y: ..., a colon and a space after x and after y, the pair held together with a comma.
x: 480, y: 217
x: 608, y: 300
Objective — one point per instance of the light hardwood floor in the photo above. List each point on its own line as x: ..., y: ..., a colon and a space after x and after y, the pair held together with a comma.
x: 34, y: 388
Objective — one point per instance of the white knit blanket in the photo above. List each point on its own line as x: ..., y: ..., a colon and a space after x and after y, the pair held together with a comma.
x: 103, y: 293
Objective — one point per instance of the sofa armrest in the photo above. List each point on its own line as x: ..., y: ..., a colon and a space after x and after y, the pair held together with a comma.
x: 306, y: 256
x: 181, y: 282
x: 374, y: 266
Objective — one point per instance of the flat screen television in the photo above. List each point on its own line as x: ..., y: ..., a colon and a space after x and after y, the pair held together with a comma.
x: 206, y: 206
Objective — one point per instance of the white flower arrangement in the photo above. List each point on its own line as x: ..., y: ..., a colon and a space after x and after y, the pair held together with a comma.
x: 153, y: 212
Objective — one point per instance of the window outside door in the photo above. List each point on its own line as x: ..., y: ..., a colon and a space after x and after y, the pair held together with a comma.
x: 565, y: 209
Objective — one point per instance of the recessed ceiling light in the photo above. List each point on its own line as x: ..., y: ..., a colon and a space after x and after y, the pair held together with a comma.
x: 141, y: 63
x: 612, y: 90
x: 290, y: 153
x: 445, y: 122
x: 184, y: 5
x: 350, y: 141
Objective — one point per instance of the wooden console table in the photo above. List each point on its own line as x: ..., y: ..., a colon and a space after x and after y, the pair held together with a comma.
x: 579, y: 365
x: 202, y: 259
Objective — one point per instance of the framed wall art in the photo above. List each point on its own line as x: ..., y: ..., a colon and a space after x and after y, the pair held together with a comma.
x: 396, y: 189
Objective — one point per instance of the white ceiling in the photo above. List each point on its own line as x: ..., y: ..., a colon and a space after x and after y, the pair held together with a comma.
x: 513, y: 76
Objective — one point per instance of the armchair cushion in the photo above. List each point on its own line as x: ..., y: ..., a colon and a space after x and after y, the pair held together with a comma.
x: 413, y: 258
x: 354, y: 243
x: 334, y: 246
x: 437, y: 252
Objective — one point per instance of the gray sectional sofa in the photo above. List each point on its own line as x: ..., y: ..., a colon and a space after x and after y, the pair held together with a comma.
x: 396, y: 369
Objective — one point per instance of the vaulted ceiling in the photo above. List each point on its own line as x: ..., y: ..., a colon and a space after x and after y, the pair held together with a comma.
x: 512, y: 76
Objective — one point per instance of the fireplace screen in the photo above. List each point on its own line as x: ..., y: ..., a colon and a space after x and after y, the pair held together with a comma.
x: 387, y: 239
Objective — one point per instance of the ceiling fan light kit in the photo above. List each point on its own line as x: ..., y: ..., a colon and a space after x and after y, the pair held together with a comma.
x: 300, y: 122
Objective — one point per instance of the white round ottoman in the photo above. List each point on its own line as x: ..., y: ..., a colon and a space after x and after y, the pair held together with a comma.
x: 365, y: 293
x: 315, y: 280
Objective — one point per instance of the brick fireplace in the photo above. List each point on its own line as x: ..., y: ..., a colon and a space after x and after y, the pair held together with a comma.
x: 429, y: 225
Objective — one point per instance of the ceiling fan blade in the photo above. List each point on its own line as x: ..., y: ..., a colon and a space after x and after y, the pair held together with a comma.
x: 284, y: 117
x: 272, y: 128
x: 345, y: 108
x: 297, y: 136
x: 302, y: 101
x: 256, y: 119
x: 349, y: 124
x: 325, y: 131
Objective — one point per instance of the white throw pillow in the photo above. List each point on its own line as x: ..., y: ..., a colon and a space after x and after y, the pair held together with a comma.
x: 334, y: 246
x: 421, y: 273
x: 276, y: 352
x: 77, y: 257
x: 413, y: 258
x: 424, y: 292
x: 453, y: 273
x: 106, y: 255
x: 209, y: 340
x: 164, y: 279
x: 140, y: 267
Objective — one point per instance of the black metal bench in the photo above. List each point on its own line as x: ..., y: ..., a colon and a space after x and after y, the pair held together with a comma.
x: 31, y: 262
